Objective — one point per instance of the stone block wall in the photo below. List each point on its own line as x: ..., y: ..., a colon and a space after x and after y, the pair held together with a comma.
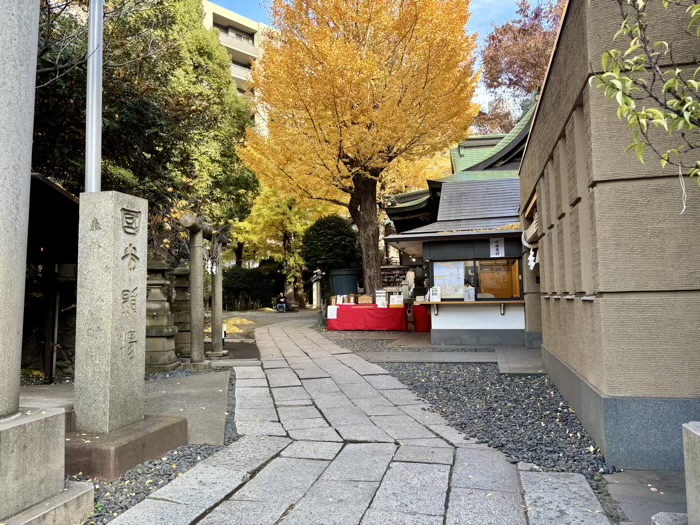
x: 531, y: 295
x: 619, y: 266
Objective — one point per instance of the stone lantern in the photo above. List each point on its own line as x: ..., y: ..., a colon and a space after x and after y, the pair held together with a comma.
x: 160, y: 323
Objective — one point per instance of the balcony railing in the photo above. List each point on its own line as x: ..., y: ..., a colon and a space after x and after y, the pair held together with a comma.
x: 238, y: 44
x: 240, y: 72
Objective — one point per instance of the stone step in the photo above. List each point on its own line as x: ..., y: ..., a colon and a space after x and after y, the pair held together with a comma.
x: 561, y: 497
x: 75, y: 503
x: 669, y: 518
x: 188, y: 498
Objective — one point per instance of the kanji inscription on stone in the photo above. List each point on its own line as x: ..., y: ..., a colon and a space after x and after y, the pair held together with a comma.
x: 131, y: 255
x: 131, y: 220
x: 129, y: 343
x: 129, y: 301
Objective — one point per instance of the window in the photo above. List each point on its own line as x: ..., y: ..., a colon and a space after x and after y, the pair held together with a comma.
x: 235, y: 33
x: 498, y: 279
x: 450, y: 277
x: 492, y: 278
x: 245, y: 37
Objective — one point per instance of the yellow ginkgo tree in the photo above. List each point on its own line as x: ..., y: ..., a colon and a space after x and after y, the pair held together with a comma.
x: 346, y: 88
x: 274, y: 230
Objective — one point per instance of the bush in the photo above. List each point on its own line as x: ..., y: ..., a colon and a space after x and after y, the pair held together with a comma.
x: 245, y: 289
x: 330, y: 244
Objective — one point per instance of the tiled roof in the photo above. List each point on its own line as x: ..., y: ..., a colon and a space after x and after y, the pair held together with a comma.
x: 464, y: 225
x: 479, y: 200
x: 522, y: 125
x: 406, y: 201
x: 470, y: 176
x: 466, y: 158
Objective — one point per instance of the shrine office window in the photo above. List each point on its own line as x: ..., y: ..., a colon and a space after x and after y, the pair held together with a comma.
x: 491, y: 279
x: 498, y: 279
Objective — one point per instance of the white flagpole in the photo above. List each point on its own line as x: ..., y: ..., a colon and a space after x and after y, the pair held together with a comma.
x: 93, y: 128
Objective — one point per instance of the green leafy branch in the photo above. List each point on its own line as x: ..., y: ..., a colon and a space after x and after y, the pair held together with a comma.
x: 651, y: 91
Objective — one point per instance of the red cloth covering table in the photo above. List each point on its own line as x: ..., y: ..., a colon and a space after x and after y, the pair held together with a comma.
x: 369, y: 317
x: 421, y: 318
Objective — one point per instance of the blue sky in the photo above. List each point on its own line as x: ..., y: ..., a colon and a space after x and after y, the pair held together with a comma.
x: 483, y: 14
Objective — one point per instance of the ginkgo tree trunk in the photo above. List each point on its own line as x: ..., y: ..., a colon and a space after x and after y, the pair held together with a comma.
x: 346, y: 87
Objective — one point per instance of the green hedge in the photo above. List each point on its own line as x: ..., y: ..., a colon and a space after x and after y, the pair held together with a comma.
x: 245, y: 289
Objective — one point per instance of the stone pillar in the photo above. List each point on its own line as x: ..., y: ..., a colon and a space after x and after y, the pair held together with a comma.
x: 196, y: 297
x: 288, y: 292
x: 180, y: 307
x: 18, y: 46
x: 317, y: 295
x: 111, y: 312
x: 691, y: 453
x: 160, y: 323
x: 31, y: 440
x: 198, y: 230
x: 217, y: 307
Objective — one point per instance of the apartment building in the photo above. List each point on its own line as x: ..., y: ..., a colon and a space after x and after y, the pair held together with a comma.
x: 240, y: 36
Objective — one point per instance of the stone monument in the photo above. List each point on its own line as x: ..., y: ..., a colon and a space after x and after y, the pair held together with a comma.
x: 160, y: 323
x: 111, y: 317
x: 32, y: 487
x: 112, y: 434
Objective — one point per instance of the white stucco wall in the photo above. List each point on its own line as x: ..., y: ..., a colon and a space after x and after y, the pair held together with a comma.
x: 479, y: 317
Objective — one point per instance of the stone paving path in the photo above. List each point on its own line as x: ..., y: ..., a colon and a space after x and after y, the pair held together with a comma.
x: 331, y: 439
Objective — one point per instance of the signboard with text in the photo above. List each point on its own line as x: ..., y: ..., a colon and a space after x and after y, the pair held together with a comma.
x: 498, y: 247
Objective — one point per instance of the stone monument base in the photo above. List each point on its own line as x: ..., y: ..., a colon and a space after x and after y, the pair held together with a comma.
x: 160, y: 352
x: 216, y: 355
x: 108, y: 456
x: 198, y: 367
x: 73, y: 505
x: 182, y: 343
x: 152, y: 369
x: 33, y: 442
x: 31, y: 460
x: 210, y: 354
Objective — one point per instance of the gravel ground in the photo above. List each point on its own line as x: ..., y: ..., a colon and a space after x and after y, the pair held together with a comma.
x: 159, y: 376
x: 524, y: 416
x: 355, y: 334
x: 115, y: 497
x: 386, y: 345
x: 28, y: 380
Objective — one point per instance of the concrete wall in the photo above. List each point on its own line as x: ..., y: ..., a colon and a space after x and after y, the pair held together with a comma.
x: 619, y: 267
x: 251, y: 26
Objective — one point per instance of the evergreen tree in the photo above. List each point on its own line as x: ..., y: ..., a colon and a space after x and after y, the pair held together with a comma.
x: 172, y: 116
x: 330, y: 243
